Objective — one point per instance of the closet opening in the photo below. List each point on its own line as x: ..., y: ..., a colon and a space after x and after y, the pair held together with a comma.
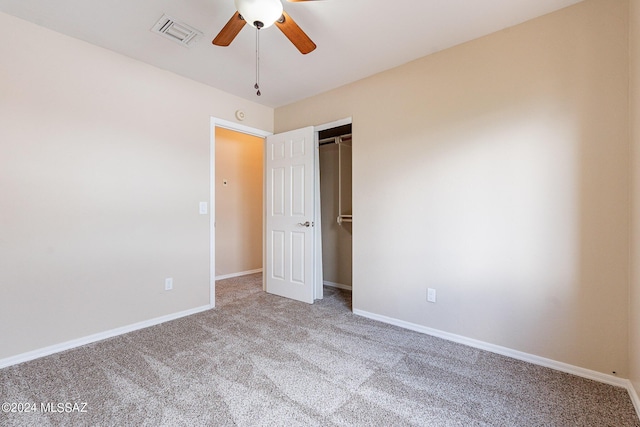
x: 335, y: 147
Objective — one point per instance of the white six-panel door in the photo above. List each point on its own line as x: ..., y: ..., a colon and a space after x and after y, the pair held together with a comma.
x: 289, y: 234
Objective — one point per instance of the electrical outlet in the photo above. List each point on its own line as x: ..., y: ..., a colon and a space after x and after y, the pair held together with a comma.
x: 168, y: 283
x: 431, y: 295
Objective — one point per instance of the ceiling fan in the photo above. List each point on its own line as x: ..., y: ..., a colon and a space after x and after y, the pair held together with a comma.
x: 262, y: 14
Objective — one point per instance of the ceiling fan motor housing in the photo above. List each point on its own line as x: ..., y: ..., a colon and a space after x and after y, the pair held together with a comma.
x: 260, y: 13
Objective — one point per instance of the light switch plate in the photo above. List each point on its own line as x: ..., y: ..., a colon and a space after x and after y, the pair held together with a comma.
x: 203, y: 208
x: 431, y: 295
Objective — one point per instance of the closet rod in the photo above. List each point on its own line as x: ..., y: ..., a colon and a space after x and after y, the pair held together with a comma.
x: 335, y: 139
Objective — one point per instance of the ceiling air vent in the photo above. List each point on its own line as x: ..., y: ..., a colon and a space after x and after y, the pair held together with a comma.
x: 176, y: 31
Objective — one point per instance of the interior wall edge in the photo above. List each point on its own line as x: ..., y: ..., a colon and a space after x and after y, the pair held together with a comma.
x: 634, y: 138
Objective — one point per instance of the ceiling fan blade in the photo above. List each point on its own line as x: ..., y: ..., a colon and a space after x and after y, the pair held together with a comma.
x: 229, y: 31
x: 294, y: 33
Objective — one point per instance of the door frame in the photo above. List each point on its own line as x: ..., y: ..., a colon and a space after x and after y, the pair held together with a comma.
x: 237, y: 127
x: 319, y: 282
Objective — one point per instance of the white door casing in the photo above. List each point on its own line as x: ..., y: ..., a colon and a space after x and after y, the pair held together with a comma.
x: 290, y: 214
x: 217, y: 122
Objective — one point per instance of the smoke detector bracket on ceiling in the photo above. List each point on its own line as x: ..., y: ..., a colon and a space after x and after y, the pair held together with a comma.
x: 177, y: 31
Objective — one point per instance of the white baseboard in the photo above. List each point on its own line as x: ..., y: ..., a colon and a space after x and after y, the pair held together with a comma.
x: 336, y: 285
x: 242, y: 273
x: 57, y: 348
x: 634, y: 397
x: 526, y: 357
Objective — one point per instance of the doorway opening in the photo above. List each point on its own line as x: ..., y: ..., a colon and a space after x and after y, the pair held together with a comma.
x: 335, y: 146
x: 217, y: 125
x: 238, y: 203
x: 339, y: 253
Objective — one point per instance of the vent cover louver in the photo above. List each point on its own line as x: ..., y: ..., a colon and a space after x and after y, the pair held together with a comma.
x: 176, y: 31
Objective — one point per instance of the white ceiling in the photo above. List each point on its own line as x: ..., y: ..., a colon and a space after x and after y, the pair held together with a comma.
x: 355, y: 38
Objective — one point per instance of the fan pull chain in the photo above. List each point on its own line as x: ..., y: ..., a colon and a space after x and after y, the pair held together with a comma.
x: 257, y: 85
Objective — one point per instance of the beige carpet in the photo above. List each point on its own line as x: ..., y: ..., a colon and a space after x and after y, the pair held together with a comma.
x: 261, y: 360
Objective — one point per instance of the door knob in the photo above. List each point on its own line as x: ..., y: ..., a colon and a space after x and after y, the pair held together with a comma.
x: 305, y: 224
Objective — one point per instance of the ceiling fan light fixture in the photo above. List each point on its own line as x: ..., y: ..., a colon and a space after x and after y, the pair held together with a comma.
x: 260, y: 13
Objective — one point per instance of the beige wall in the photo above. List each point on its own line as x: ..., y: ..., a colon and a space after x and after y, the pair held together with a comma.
x: 103, y: 161
x: 239, y: 212
x: 497, y: 172
x: 634, y: 80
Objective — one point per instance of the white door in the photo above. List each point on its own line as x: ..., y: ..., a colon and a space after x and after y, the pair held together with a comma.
x: 290, y: 214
